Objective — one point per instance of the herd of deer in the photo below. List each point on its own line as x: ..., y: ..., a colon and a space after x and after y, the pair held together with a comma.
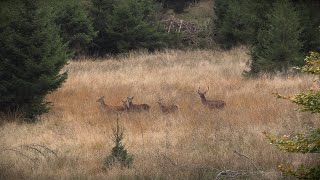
x: 130, y: 107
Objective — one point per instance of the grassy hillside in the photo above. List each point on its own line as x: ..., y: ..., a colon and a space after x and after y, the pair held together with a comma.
x: 190, y: 144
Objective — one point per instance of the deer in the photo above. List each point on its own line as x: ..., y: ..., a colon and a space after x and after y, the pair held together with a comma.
x: 137, y: 107
x: 125, y: 105
x: 167, y: 109
x: 211, y: 104
x: 107, y: 108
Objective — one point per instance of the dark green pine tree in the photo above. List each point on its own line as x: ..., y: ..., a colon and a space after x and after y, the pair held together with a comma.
x: 101, y: 11
x: 310, y: 21
x: 278, y: 45
x: 75, y: 24
x: 31, y: 57
x: 132, y: 26
x: 238, y: 22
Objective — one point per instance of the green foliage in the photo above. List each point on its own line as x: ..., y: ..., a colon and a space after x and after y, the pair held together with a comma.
x: 308, y: 142
x: 177, y: 5
x: 101, y: 12
x: 119, y: 154
x: 310, y: 21
x: 31, y: 57
x: 76, y: 27
x: 308, y: 100
x: 302, y: 143
x: 238, y: 21
x: 131, y: 26
x: 301, y: 172
x: 278, y: 45
x: 127, y: 25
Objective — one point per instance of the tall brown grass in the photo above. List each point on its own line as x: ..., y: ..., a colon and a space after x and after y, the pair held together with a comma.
x: 194, y: 143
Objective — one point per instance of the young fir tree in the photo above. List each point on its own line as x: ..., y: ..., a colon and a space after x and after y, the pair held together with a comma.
x: 31, y: 57
x: 305, y: 142
x: 76, y: 27
x: 278, y: 45
x: 119, y: 154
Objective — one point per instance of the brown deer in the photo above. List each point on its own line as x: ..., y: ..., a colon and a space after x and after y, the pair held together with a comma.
x: 167, y: 109
x: 125, y: 105
x: 137, y: 107
x: 107, y: 108
x: 211, y: 104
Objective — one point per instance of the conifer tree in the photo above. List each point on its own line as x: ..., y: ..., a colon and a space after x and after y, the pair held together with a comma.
x: 278, y: 45
x: 101, y: 11
x: 238, y: 22
x: 75, y: 24
x: 31, y: 57
x: 119, y: 153
x: 310, y: 20
x: 132, y: 26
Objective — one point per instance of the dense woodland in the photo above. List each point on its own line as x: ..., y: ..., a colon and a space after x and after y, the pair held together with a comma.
x: 37, y: 38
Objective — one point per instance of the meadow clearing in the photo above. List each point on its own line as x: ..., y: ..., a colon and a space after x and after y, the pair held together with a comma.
x: 193, y: 143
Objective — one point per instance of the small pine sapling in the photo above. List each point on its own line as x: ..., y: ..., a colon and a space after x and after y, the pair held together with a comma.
x: 119, y: 154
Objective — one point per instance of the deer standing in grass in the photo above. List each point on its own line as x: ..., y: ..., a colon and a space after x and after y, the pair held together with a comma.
x: 107, y: 108
x: 211, y: 104
x: 125, y: 105
x: 167, y: 109
x: 137, y: 107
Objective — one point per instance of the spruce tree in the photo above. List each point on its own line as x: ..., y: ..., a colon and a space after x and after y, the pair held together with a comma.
x: 278, y: 45
x: 101, y: 11
x: 237, y: 22
x: 132, y: 26
x: 31, y: 57
x: 75, y: 24
x: 119, y: 153
x: 310, y: 20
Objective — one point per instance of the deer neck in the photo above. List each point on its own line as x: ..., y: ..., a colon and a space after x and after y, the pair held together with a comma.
x: 103, y: 105
x: 203, y: 99
x: 161, y: 105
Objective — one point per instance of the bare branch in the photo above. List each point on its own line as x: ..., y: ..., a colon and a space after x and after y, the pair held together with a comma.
x: 247, y: 158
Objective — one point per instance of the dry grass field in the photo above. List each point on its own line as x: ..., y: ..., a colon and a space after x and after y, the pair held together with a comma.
x: 193, y: 143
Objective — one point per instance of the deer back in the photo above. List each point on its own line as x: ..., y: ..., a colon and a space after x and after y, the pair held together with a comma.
x: 169, y: 109
x: 215, y: 104
x: 107, y: 108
